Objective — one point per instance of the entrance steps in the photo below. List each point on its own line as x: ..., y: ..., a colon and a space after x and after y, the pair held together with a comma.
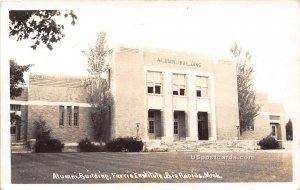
x: 19, y: 147
x: 198, y: 146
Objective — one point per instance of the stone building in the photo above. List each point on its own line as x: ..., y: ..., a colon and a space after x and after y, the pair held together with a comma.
x: 60, y: 101
x: 160, y: 95
x: 270, y: 120
x: 173, y: 95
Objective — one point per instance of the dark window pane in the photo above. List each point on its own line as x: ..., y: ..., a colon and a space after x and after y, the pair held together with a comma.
x: 61, y: 115
x: 76, y: 116
x: 175, y: 92
x: 157, y: 89
x: 69, y: 112
x: 150, y: 114
x: 175, y: 127
x: 273, y: 130
x: 151, y: 126
x: 198, y: 93
x: 150, y: 89
x: 182, y: 92
x: 15, y: 107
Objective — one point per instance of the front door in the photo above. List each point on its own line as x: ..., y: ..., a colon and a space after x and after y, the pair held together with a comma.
x: 202, y: 126
x: 15, y: 127
x: 274, y: 130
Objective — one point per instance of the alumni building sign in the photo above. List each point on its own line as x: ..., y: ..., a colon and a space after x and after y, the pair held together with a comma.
x: 179, y: 62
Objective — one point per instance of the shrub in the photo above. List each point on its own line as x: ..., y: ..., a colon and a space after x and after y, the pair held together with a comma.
x: 54, y: 145
x: 127, y: 144
x: 85, y: 145
x: 49, y: 145
x: 268, y: 142
x: 44, y: 143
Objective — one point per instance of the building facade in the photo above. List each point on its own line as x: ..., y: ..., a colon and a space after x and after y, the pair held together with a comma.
x: 270, y: 120
x: 173, y: 95
x: 159, y: 95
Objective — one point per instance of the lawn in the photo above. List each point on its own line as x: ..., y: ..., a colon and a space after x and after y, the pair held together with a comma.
x: 149, y: 167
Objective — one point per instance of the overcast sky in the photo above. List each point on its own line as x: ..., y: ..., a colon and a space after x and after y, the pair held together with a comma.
x: 269, y: 30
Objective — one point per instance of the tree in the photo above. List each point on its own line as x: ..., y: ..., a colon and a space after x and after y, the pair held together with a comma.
x: 289, y: 130
x: 39, y: 25
x: 248, y: 109
x: 16, y: 78
x: 98, y: 90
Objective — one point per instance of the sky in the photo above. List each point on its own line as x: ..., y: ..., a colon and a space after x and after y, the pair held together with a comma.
x: 268, y: 29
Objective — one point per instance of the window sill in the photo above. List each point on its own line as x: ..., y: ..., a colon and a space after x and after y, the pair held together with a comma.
x: 179, y: 96
x: 205, y: 98
x: 150, y: 94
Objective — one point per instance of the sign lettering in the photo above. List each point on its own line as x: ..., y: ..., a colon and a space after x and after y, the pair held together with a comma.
x: 179, y: 62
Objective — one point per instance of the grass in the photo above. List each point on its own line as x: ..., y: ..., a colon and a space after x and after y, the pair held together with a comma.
x: 39, y: 167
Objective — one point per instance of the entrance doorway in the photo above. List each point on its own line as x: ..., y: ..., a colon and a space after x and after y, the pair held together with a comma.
x: 202, y: 126
x: 15, y: 127
x: 154, y: 124
x: 274, y: 130
x: 179, y: 129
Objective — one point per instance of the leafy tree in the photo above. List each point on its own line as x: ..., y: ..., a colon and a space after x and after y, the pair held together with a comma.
x: 38, y: 25
x: 16, y: 78
x: 289, y: 130
x: 99, y: 95
x: 248, y: 109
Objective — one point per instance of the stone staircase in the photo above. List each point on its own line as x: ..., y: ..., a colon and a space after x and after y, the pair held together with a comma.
x: 19, y: 147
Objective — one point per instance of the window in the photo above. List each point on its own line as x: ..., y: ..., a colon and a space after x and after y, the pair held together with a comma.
x: 175, y: 123
x: 157, y: 89
x: 176, y: 127
x: 151, y: 122
x: 175, y: 90
x: 181, y: 92
x: 61, y: 115
x: 76, y: 116
x: 15, y: 107
x: 150, y: 89
x: 273, y: 130
x: 69, y: 114
x: 151, y: 126
x: 201, y: 86
x: 178, y: 84
x: 154, y: 82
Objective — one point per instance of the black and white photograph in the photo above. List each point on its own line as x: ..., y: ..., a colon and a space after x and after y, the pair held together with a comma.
x: 150, y: 94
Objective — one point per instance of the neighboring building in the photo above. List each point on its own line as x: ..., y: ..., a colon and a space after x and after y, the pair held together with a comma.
x: 159, y: 95
x: 270, y: 121
x: 61, y: 102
